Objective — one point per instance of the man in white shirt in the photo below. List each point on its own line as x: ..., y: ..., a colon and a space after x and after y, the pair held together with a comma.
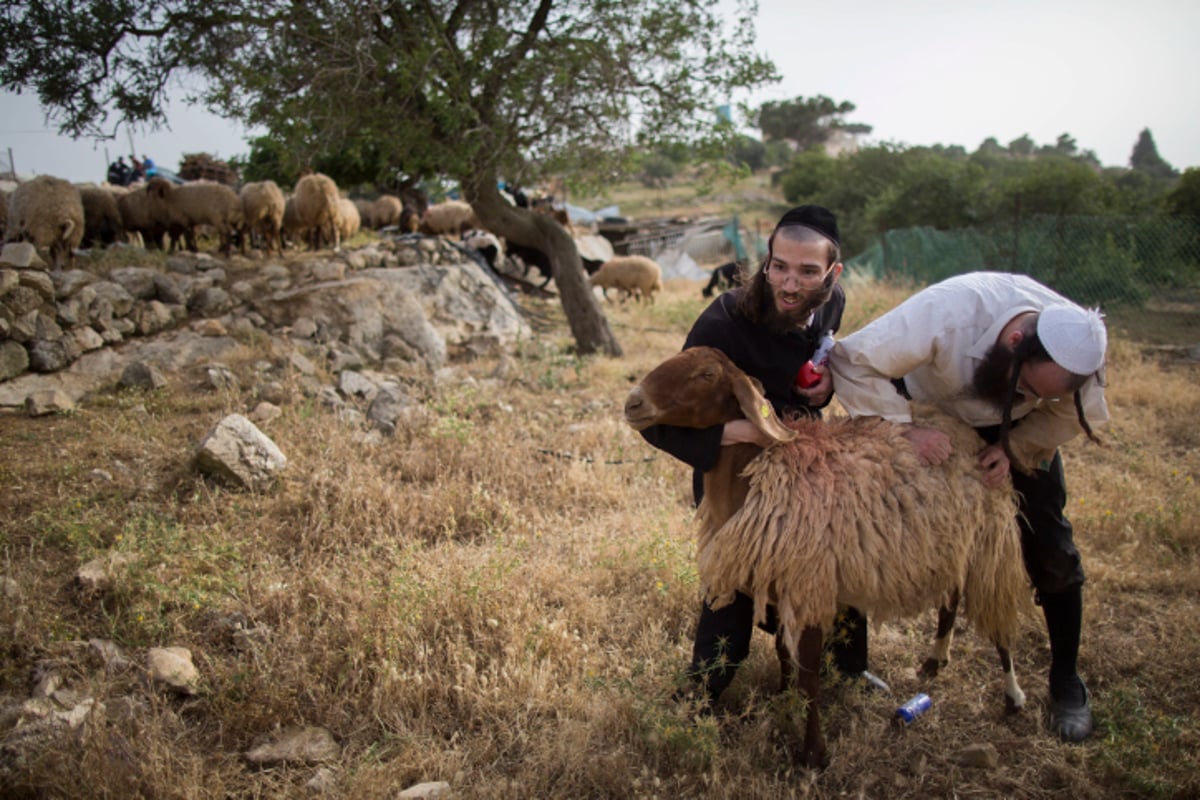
x: 1022, y: 365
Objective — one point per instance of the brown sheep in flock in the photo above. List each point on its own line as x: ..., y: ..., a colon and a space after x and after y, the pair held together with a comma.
x: 262, y: 214
x: 365, y: 216
x: 840, y: 513
x: 101, y: 218
x: 316, y: 209
x: 138, y: 217
x: 448, y: 217
x: 184, y: 208
x: 48, y: 213
x: 634, y: 276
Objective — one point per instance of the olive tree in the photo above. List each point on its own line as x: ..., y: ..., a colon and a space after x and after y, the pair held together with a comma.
x: 474, y: 90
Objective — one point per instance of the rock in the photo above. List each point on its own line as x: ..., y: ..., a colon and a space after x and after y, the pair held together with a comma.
x: 96, y: 575
x: 977, y: 755
x: 221, y: 377
x: 323, y: 781
x: 9, y: 280
x: 21, y: 300
x: 237, y: 452
x: 265, y: 413
x: 354, y: 384
x: 119, y: 301
x: 172, y: 668
x: 323, y: 271
x: 140, y: 375
x: 49, y: 355
x: 70, y: 282
x: 209, y: 327
x: 432, y: 790
x: 87, y: 338
x: 39, y: 282
x: 14, y: 359
x: 21, y: 254
x: 140, y: 282
x: 387, y: 406
x: 210, y: 302
x: 301, y: 364
x: 110, y: 654
x: 296, y: 745
x: 304, y: 328
x: 48, y: 401
x: 152, y: 317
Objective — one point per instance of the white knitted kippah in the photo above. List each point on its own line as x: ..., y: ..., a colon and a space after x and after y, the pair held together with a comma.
x: 1074, y: 337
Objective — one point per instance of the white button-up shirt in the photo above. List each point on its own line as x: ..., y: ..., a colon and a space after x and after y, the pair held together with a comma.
x: 934, y: 340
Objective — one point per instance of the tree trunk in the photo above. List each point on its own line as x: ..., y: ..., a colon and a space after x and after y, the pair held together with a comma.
x: 588, y: 324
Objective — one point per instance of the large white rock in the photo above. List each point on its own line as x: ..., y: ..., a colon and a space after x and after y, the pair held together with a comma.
x: 237, y: 452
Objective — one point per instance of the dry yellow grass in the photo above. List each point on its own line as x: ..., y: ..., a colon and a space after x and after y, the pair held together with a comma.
x: 502, y: 596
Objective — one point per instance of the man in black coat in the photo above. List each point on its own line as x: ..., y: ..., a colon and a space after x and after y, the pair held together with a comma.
x: 769, y: 328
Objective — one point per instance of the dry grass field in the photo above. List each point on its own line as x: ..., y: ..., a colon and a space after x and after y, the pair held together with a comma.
x: 502, y: 597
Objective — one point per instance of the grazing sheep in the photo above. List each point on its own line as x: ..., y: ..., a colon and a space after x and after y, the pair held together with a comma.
x: 184, y: 208
x: 451, y: 216
x: 386, y: 210
x: 348, y: 221
x: 262, y: 214
x: 138, y: 217
x: 634, y: 276
x: 47, y: 212
x: 101, y: 217
x: 723, y: 277
x: 839, y: 513
x: 365, y: 211
x: 316, y: 206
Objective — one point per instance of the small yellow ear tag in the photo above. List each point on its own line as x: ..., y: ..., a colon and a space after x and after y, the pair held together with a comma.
x: 765, y: 410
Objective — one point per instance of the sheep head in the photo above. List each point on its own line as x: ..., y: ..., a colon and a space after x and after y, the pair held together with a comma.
x: 698, y: 388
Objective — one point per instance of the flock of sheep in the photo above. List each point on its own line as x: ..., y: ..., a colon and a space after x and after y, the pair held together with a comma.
x: 58, y: 217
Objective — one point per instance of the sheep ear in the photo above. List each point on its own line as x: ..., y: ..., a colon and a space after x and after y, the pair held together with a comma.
x: 757, y: 409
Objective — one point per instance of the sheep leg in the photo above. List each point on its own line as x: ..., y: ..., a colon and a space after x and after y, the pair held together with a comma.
x: 940, y: 656
x: 808, y: 680
x: 1014, y: 697
x: 787, y: 664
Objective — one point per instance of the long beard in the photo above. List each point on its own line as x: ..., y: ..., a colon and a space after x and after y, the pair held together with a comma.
x: 993, y: 377
x: 796, y: 319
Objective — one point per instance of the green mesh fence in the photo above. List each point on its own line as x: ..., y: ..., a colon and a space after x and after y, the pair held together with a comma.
x: 1093, y: 260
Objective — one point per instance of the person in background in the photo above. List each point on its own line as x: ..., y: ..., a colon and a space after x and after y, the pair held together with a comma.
x: 769, y: 328
x: 148, y: 166
x: 1022, y: 365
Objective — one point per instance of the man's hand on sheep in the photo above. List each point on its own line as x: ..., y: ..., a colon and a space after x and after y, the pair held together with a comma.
x: 932, y: 446
x: 818, y: 394
x: 993, y: 463
x: 741, y: 431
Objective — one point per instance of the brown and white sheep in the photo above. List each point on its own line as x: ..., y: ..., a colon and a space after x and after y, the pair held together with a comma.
x: 634, y: 276
x: 316, y: 208
x: 101, y: 218
x: 48, y: 213
x: 840, y: 513
x: 448, y: 217
x: 262, y: 214
x: 184, y: 208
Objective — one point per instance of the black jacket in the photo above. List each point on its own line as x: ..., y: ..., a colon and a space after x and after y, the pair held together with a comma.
x: 772, y: 358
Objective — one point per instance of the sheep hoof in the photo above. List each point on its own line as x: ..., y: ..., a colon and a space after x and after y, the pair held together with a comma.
x: 1013, y: 705
x: 931, y: 666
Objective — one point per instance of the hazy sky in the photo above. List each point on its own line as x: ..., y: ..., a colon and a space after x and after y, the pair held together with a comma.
x: 920, y: 72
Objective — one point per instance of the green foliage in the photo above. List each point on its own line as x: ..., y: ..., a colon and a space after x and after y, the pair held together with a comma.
x: 1145, y: 157
x: 808, y: 122
x: 1184, y: 199
x: 369, y: 92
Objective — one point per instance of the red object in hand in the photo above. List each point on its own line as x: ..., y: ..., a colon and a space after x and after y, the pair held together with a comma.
x: 808, y: 376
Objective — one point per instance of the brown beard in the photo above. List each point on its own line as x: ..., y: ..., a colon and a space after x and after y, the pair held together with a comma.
x: 992, y: 379
x: 796, y: 319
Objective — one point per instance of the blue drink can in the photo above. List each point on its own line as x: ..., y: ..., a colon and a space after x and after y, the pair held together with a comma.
x: 914, y: 708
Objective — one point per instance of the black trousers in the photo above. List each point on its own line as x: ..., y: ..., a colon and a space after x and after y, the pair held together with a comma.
x: 1047, y: 538
x: 723, y: 642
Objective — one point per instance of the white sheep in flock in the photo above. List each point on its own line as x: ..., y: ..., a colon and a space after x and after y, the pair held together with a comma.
x: 48, y: 213
x: 450, y: 216
x: 184, y: 208
x: 840, y: 513
x: 348, y: 220
x: 634, y: 276
x: 262, y: 214
x: 316, y: 208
